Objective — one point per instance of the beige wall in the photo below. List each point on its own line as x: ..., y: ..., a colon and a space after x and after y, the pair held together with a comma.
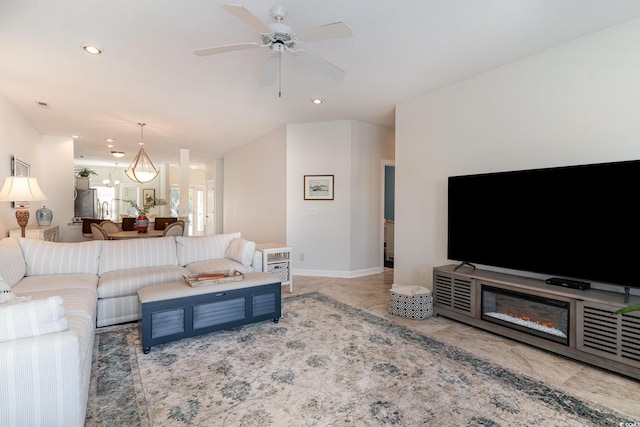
x: 17, y: 138
x: 341, y: 237
x: 263, y: 194
x: 255, y: 189
x: 574, y: 104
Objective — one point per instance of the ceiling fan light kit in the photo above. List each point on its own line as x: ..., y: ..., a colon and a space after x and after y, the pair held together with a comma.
x: 279, y: 38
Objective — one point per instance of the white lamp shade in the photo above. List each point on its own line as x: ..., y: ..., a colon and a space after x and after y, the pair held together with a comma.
x: 21, y: 189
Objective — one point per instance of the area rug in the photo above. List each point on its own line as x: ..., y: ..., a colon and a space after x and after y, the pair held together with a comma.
x: 324, y: 364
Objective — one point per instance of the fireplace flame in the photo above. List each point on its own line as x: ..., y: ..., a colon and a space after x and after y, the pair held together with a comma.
x: 547, y: 323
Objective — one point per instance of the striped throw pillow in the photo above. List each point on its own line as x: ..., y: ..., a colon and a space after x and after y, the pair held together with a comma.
x: 32, y: 318
x: 12, y: 265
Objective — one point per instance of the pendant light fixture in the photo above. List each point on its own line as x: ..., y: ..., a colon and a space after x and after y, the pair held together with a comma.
x: 141, y: 169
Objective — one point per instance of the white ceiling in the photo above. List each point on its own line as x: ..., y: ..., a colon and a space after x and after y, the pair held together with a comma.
x: 210, y: 105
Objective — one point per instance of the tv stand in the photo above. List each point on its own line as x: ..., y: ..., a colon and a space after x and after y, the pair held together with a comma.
x: 578, y: 324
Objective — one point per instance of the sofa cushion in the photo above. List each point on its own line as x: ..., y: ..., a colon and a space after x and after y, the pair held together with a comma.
x: 77, y: 302
x: 241, y: 250
x: 32, y: 318
x: 198, y: 248
x: 59, y: 281
x: 127, y: 282
x: 42, y: 257
x: 12, y: 265
x: 221, y: 264
x: 137, y: 253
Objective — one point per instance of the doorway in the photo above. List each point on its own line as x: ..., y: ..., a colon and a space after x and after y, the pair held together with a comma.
x: 195, y: 220
x: 388, y: 213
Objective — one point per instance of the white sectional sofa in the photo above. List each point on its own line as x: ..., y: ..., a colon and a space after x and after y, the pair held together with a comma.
x: 46, y: 354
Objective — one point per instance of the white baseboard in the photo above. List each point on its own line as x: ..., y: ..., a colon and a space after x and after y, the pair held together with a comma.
x: 340, y: 274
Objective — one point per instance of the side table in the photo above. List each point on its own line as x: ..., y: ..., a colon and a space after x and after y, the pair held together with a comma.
x: 276, y: 259
x: 44, y: 232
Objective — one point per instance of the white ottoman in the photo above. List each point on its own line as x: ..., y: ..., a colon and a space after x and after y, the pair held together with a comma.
x: 412, y: 302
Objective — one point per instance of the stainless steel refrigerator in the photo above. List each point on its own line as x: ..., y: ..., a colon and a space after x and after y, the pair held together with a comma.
x: 86, y: 204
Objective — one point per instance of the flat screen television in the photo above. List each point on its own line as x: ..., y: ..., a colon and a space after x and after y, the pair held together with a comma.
x: 574, y: 222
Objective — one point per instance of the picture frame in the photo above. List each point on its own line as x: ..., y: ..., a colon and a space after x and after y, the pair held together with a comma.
x: 148, y: 197
x: 20, y: 168
x: 318, y: 187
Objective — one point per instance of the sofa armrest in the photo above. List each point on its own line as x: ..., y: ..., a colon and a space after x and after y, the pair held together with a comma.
x: 257, y: 261
x: 40, y: 381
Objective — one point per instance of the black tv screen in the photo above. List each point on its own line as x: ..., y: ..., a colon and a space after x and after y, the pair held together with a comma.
x: 576, y: 222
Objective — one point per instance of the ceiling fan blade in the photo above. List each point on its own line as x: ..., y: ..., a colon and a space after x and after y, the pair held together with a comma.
x: 243, y: 14
x: 325, y: 32
x: 225, y: 48
x: 320, y: 64
x: 271, y: 68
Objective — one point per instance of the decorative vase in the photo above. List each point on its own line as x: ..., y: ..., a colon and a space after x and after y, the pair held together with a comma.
x: 142, y: 223
x: 44, y: 215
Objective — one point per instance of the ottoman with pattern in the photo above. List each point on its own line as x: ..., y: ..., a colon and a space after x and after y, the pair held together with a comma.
x: 412, y: 302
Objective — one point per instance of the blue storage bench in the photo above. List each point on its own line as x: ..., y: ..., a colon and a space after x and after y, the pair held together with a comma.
x: 172, y: 311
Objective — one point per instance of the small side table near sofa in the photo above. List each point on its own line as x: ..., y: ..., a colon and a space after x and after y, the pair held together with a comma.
x: 45, y: 232
x: 276, y: 259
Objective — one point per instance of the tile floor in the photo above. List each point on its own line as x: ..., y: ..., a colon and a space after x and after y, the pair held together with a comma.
x: 370, y: 293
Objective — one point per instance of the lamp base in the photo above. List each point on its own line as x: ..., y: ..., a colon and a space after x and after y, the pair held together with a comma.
x: 22, y: 216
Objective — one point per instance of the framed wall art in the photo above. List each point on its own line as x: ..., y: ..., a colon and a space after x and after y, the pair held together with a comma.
x: 318, y: 187
x: 148, y: 197
x: 19, y: 168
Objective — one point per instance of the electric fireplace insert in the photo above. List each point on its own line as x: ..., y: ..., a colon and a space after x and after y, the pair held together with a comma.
x: 539, y: 316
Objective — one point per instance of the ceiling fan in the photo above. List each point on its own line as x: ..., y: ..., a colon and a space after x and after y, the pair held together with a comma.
x: 279, y: 38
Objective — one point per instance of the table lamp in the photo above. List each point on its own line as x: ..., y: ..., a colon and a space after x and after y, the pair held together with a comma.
x: 21, y: 189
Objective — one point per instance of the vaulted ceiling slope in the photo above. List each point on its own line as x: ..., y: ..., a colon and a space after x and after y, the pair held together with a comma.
x: 148, y: 71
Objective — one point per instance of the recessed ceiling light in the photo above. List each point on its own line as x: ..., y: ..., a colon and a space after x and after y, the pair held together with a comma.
x: 117, y: 153
x: 75, y: 136
x: 317, y: 101
x: 92, y: 49
x: 109, y: 140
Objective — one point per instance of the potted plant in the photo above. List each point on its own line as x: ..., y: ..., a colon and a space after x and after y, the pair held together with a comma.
x: 142, y: 221
x: 83, y: 177
x: 84, y: 172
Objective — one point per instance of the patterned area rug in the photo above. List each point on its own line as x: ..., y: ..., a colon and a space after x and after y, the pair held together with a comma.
x: 324, y: 364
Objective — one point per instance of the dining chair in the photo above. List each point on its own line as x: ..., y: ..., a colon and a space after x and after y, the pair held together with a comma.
x: 174, y: 229
x: 128, y: 224
x: 86, y: 225
x: 98, y: 232
x: 110, y: 227
x: 161, y: 222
